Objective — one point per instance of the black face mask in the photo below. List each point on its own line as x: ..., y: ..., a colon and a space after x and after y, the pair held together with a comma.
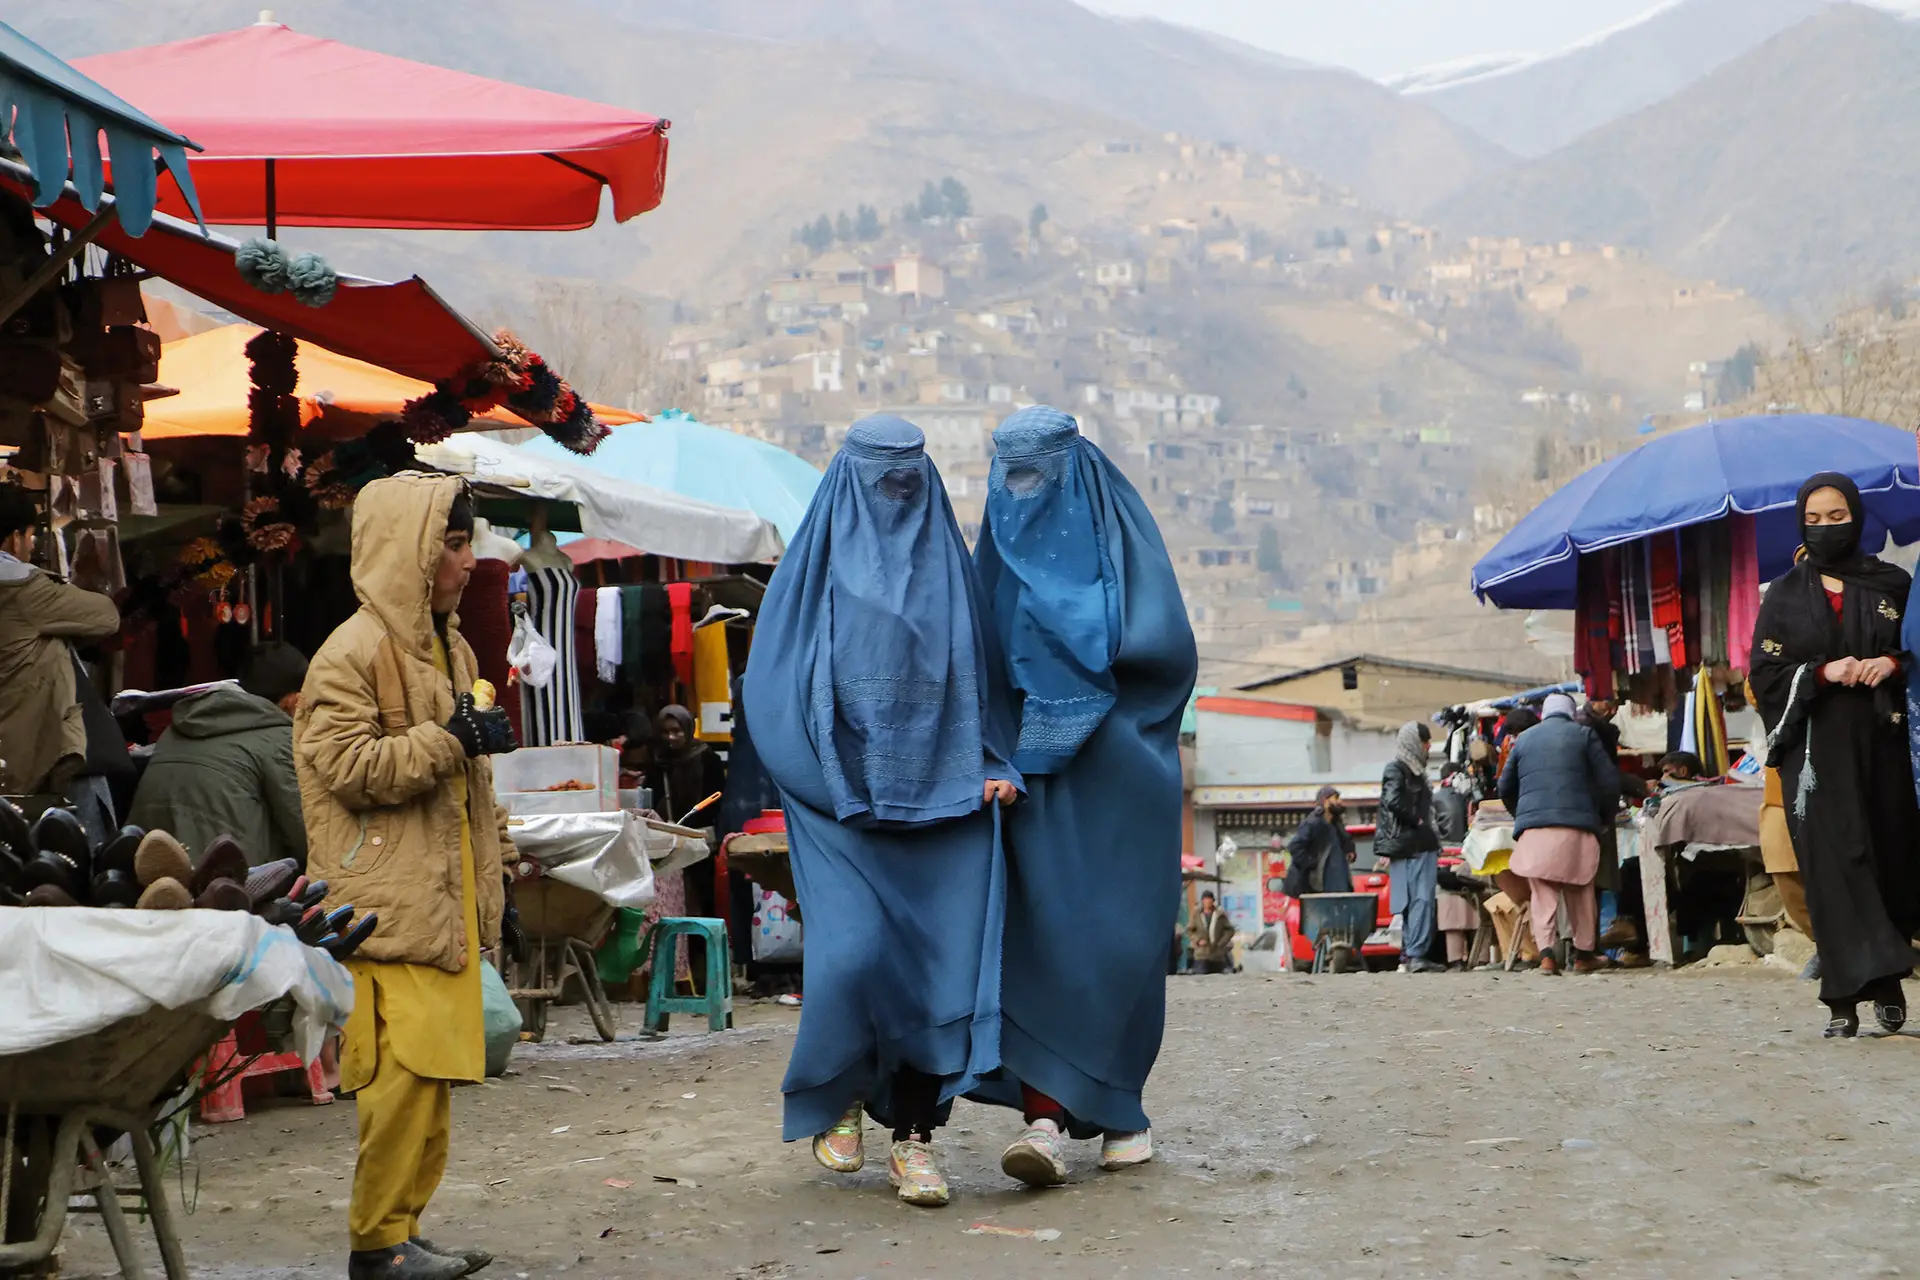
x: 1830, y: 544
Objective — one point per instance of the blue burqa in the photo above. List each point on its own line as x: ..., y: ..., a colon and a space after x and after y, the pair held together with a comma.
x: 879, y: 710
x: 1086, y: 607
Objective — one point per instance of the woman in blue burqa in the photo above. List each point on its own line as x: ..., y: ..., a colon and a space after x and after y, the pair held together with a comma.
x: 1102, y: 660
x: 878, y: 710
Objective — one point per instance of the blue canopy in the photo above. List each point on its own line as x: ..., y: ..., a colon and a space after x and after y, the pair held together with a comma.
x: 1750, y: 465
x: 56, y: 116
x: 715, y: 465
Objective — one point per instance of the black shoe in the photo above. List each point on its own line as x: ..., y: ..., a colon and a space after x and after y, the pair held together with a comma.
x: 1890, y: 1006
x: 1844, y: 1025
x: 473, y: 1258
x: 62, y: 856
x: 404, y: 1261
x: 1425, y: 966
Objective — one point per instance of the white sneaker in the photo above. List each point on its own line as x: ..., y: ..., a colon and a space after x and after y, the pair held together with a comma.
x: 1037, y: 1157
x: 1125, y: 1150
x: 912, y: 1168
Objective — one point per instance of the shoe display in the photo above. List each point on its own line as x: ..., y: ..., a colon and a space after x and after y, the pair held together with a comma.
x: 404, y: 1261
x: 15, y: 834
x: 1037, y: 1157
x: 223, y: 895
x: 474, y: 1259
x: 843, y: 1149
x: 1125, y: 1150
x: 114, y: 881
x: 222, y: 859
x: 271, y: 880
x: 49, y: 895
x: 911, y: 1167
x: 62, y: 856
x: 161, y: 857
x: 165, y: 894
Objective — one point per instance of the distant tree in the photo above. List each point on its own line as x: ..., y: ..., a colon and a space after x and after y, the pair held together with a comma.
x: 1296, y: 386
x: 1267, y: 555
x: 1542, y: 459
x: 1738, y: 373
x: 1339, y: 238
x: 910, y: 213
x: 1373, y: 244
x: 1036, y: 220
x: 958, y: 203
x: 866, y: 223
x: 1859, y: 366
x: 1221, y: 521
x: 931, y: 203
x: 822, y: 238
x: 843, y: 228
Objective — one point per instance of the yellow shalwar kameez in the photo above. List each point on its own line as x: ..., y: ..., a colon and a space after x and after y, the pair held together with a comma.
x: 414, y: 1029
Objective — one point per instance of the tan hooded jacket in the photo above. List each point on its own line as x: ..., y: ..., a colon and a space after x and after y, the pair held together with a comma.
x: 376, y: 764
x: 40, y: 725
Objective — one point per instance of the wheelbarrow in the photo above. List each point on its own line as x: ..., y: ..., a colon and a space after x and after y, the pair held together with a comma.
x: 1337, y: 924
x: 51, y: 1101
x: 562, y: 925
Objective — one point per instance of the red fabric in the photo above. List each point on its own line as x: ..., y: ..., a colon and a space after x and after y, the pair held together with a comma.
x: 1666, y: 597
x: 680, y: 599
x: 1038, y: 1106
x: 1743, y: 602
x: 486, y: 623
x: 586, y: 660
x: 1836, y: 599
x: 362, y: 139
x: 1592, y: 644
x: 404, y: 327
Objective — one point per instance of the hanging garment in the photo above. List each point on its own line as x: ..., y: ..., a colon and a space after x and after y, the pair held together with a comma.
x: 586, y: 620
x: 1088, y: 612
x: 552, y: 714
x: 1689, y: 724
x: 680, y: 601
x: 1716, y: 574
x: 712, y: 685
x: 1636, y: 608
x: 878, y: 707
x: 609, y: 634
x: 1664, y: 552
x: 1690, y: 590
x: 1743, y: 597
x: 1593, y: 648
x: 1616, y: 616
x: 1709, y: 726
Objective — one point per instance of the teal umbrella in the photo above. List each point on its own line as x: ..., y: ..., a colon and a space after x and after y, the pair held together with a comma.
x: 680, y: 455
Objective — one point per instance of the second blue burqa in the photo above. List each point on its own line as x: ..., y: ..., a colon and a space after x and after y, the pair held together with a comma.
x: 879, y: 710
x: 1086, y: 607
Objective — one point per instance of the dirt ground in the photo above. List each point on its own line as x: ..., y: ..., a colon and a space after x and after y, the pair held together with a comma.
x: 1651, y: 1124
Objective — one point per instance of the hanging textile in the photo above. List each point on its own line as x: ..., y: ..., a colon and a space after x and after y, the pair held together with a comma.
x: 1636, y: 609
x: 1616, y: 617
x: 552, y: 715
x: 680, y: 601
x: 1710, y: 725
x: 1743, y: 600
x: 486, y: 624
x: 586, y: 621
x: 1667, y: 614
x: 712, y: 685
x: 609, y: 634
x: 1690, y: 558
x: 1715, y: 588
x: 1592, y: 645
x: 1689, y: 720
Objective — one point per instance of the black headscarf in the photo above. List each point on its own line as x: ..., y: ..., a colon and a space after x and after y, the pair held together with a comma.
x: 1845, y: 563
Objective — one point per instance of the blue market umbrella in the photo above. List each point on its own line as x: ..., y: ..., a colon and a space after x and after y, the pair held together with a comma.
x: 715, y: 465
x: 1750, y: 465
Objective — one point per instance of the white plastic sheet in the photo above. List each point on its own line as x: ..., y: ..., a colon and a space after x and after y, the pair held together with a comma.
x: 69, y: 972
x: 602, y: 853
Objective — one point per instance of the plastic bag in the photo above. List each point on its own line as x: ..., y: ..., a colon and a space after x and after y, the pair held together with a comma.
x: 499, y: 1017
x: 777, y: 936
x: 530, y: 654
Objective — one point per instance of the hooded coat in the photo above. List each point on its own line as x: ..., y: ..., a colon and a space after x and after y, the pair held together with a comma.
x: 378, y: 770
x: 41, y: 726
x: 225, y: 767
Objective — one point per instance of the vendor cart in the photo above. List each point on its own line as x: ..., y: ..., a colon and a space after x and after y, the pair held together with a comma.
x: 107, y: 1011
x: 1337, y: 924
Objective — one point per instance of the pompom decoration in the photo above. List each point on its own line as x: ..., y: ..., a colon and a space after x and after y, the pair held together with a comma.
x: 434, y: 416
x: 311, y: 281
x: 263, y: 264
x: 273, y: 413
x: 517, y: 378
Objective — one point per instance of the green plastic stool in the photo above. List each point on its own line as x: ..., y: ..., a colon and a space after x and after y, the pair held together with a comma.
x: 717, y: 1004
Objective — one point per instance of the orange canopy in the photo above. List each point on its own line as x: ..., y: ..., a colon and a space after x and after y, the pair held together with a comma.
x: 339, y: 396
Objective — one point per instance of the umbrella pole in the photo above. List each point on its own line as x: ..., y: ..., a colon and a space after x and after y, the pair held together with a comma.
x: 272, y: 202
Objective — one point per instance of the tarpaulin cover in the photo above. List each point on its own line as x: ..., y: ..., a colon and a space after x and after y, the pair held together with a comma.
x: 604, y: 854
x: 404, y: 327
x: 72, y: 972
x: 1750, y: 465
x: 338, y: 395
x: 363, y: 139
x: 712, y: 464
x: 658, y: 522
x: 54, y: 117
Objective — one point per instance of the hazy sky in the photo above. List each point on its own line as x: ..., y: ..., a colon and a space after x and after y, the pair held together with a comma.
x: 1382, y: 37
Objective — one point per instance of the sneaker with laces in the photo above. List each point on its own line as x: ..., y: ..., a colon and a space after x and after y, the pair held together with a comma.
x: 1125, y: 1150
x: 1037, y: 1157
x: 912, y: 1168
x: 843, y: 1148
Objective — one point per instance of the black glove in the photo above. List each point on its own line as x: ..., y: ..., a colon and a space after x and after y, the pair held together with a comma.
x: 465, y: 726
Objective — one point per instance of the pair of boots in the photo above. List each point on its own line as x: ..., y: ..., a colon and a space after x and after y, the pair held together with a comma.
x: 1889, y: 1002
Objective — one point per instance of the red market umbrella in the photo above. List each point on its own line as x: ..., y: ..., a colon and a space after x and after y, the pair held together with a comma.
x: 404, y: 327
x: 300, y: 131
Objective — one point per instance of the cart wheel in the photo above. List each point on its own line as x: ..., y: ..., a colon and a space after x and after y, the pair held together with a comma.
x: 1340, y: 958
x: 598, y: 1006
x: 1760, y: 937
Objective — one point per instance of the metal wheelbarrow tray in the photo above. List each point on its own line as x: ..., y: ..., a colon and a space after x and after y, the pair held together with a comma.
x: 1335, y: 922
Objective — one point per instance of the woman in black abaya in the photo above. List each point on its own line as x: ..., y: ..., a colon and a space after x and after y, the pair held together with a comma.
x: 1827, y: 667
